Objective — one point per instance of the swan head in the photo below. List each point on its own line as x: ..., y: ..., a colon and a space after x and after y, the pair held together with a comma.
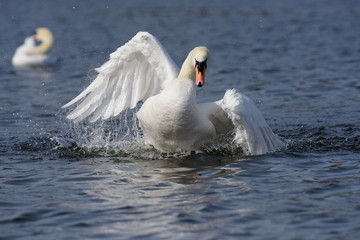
x: 201, y: 56
x: 195, y: 65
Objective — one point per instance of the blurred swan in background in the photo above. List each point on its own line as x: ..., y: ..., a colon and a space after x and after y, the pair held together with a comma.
x: 30, y: 54
x: 170, y: 118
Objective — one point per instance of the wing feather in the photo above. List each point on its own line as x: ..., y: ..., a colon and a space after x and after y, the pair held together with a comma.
x: 135, y: 71
x: 251, y: 130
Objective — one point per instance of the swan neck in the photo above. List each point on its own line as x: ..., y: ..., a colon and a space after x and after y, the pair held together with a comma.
x: 187, y: 70
x: 43, y: 48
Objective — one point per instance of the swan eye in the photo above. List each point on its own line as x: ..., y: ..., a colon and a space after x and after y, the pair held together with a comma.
x: 201, y: 66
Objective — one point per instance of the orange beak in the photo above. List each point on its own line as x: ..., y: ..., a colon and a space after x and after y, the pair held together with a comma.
x: 200, y: 76
x: 33, y: 36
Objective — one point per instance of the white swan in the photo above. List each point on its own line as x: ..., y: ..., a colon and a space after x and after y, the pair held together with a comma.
x: 170, y: 118
x: 29, y: 54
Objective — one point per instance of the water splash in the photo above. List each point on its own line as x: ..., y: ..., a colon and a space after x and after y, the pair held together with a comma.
x: 117, y: 134
x: 123, y: 137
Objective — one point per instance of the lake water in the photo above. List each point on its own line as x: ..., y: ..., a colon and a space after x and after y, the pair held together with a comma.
x: 298, y: 60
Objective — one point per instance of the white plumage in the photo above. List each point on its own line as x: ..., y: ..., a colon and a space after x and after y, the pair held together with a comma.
x: 22, y: 58
x: 170, y: 118
x: 133, y: 73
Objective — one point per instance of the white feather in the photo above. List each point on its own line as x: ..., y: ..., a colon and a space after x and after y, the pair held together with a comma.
x: 251, y: 130
x: 21, y: 57
x: 134, y: 72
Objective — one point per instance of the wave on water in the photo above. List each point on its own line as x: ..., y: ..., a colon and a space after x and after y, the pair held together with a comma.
x: 339, y: 137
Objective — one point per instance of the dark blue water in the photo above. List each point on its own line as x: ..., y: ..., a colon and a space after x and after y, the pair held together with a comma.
x: 298, y: 60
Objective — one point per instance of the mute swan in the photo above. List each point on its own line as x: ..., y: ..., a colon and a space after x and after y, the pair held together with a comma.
x: 170, y: 118
x: 29, y: 54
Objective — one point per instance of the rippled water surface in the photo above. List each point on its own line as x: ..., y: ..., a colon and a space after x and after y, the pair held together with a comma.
x: 298, y: 60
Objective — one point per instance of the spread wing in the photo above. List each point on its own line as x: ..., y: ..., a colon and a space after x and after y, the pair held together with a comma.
x: 238, y: 113
x: 251, y: 130
x: 135, y: 71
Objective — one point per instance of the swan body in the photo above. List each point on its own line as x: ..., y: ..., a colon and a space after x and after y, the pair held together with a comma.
x: 29, y: 54
x: 170, y: 118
